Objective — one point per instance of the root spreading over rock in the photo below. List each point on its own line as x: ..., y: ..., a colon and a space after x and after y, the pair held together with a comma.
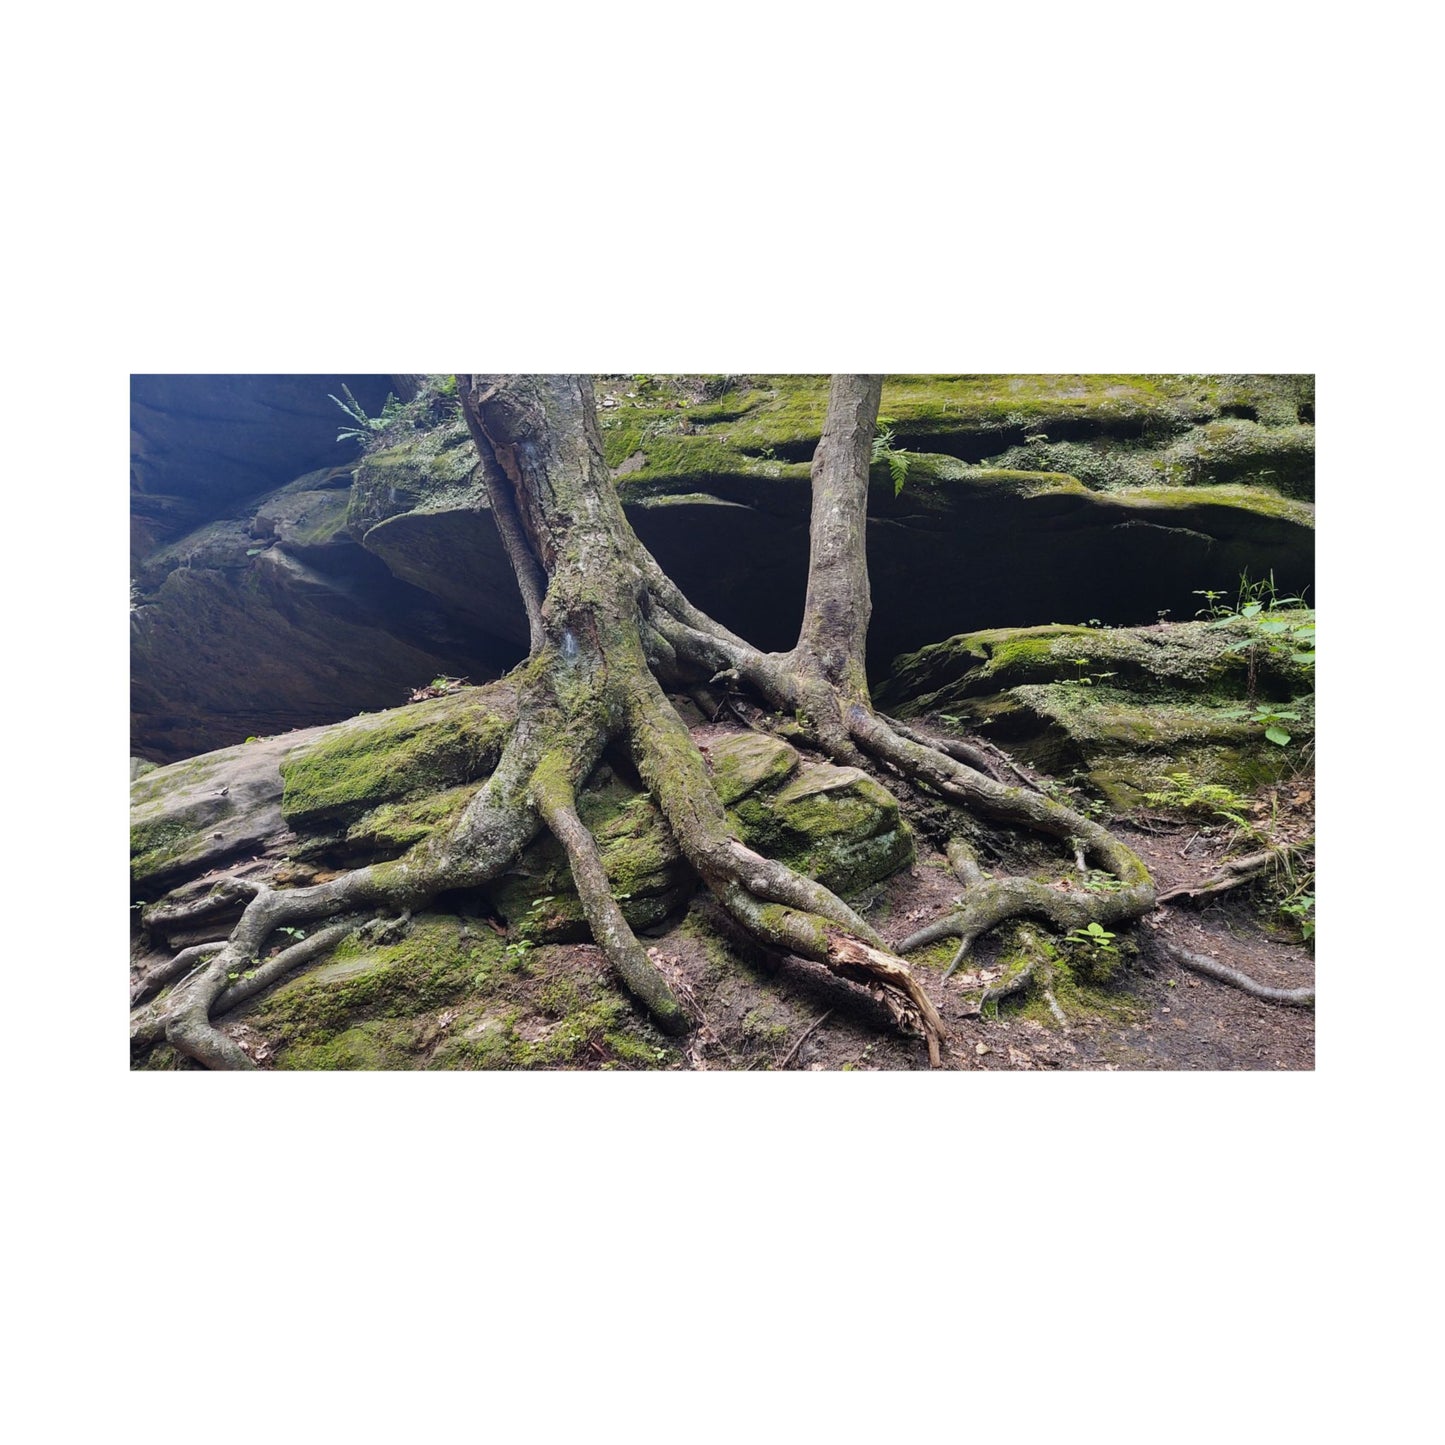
x: 610, y: 632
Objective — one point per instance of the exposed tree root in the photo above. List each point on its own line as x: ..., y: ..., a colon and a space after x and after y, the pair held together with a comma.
x: 1054, y: 1008
x: 606, y: 623
x: 174, y: 968
x: 609, y: 928
x: 1234, y: 873
x: 1016, y: 983
x: 980, y: 755
x: 1212, y: 968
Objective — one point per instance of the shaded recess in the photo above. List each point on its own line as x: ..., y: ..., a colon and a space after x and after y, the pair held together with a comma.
x: 285, y: 580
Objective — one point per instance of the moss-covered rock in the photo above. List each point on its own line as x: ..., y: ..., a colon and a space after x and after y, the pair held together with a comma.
x: 676, y: 426
x: 1229, y: 450
x: 431, y: 468
x: 361, y: 1009
x: 190, y: 816
x: 1196, y: 657
x: 307, y: 522
x: 367, y: 787
x: 648, y: 875
x: 834, y: 824
x: 749, y: 761
x: 452, y: 995
x: 420, y: 750
x: 1119, y: 708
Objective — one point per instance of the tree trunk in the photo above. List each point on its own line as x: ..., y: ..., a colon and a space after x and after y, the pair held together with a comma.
x: 607, y: 626
x: 838, y: 605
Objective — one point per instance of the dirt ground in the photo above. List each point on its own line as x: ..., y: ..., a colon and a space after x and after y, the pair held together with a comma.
x: 758, y: 1011
x: 789, y: 1014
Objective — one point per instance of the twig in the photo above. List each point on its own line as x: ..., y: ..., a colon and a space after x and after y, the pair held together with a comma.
x: 802, y: 1038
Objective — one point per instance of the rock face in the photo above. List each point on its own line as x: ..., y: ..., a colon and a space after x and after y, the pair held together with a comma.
x: 275, y: 593
x: 201, y: 443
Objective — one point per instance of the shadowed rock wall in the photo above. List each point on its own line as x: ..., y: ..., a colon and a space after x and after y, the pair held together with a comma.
x: 284, y: 580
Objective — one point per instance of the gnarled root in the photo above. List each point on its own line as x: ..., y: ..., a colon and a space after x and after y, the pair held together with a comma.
x: 987, y: 903
x: 1212, y: 968
x: 1234, y: 873
x: 610, y: 929
x: 774, y: 905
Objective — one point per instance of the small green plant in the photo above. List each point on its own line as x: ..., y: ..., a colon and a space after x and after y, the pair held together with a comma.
x: 294, y: 934
x: 366, y: 426
x: 1092, y: 954
x: 1300, y: 909
x: 1097, y: 881
x: 1095, y: 943
x: 1187, y: 794
x: 885, y: 451
x: 1264, y: 634
x: 515, y: 953
x: 1269, y: 718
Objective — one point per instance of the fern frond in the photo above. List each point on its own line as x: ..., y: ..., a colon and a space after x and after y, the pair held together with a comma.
x: 898, y: 470
x: 350, y: 406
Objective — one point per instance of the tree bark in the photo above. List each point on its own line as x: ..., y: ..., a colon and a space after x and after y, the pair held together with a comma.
x: 838, y: 607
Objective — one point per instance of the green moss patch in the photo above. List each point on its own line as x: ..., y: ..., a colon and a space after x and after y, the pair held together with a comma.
x: 834, y: 824
x: 453, y: 995
x: 428, y: 747
x: 1117, y: 708
x: 391, y: 829
x: 648, y: 875
x: 424, y: 469
x: 438, y: 960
